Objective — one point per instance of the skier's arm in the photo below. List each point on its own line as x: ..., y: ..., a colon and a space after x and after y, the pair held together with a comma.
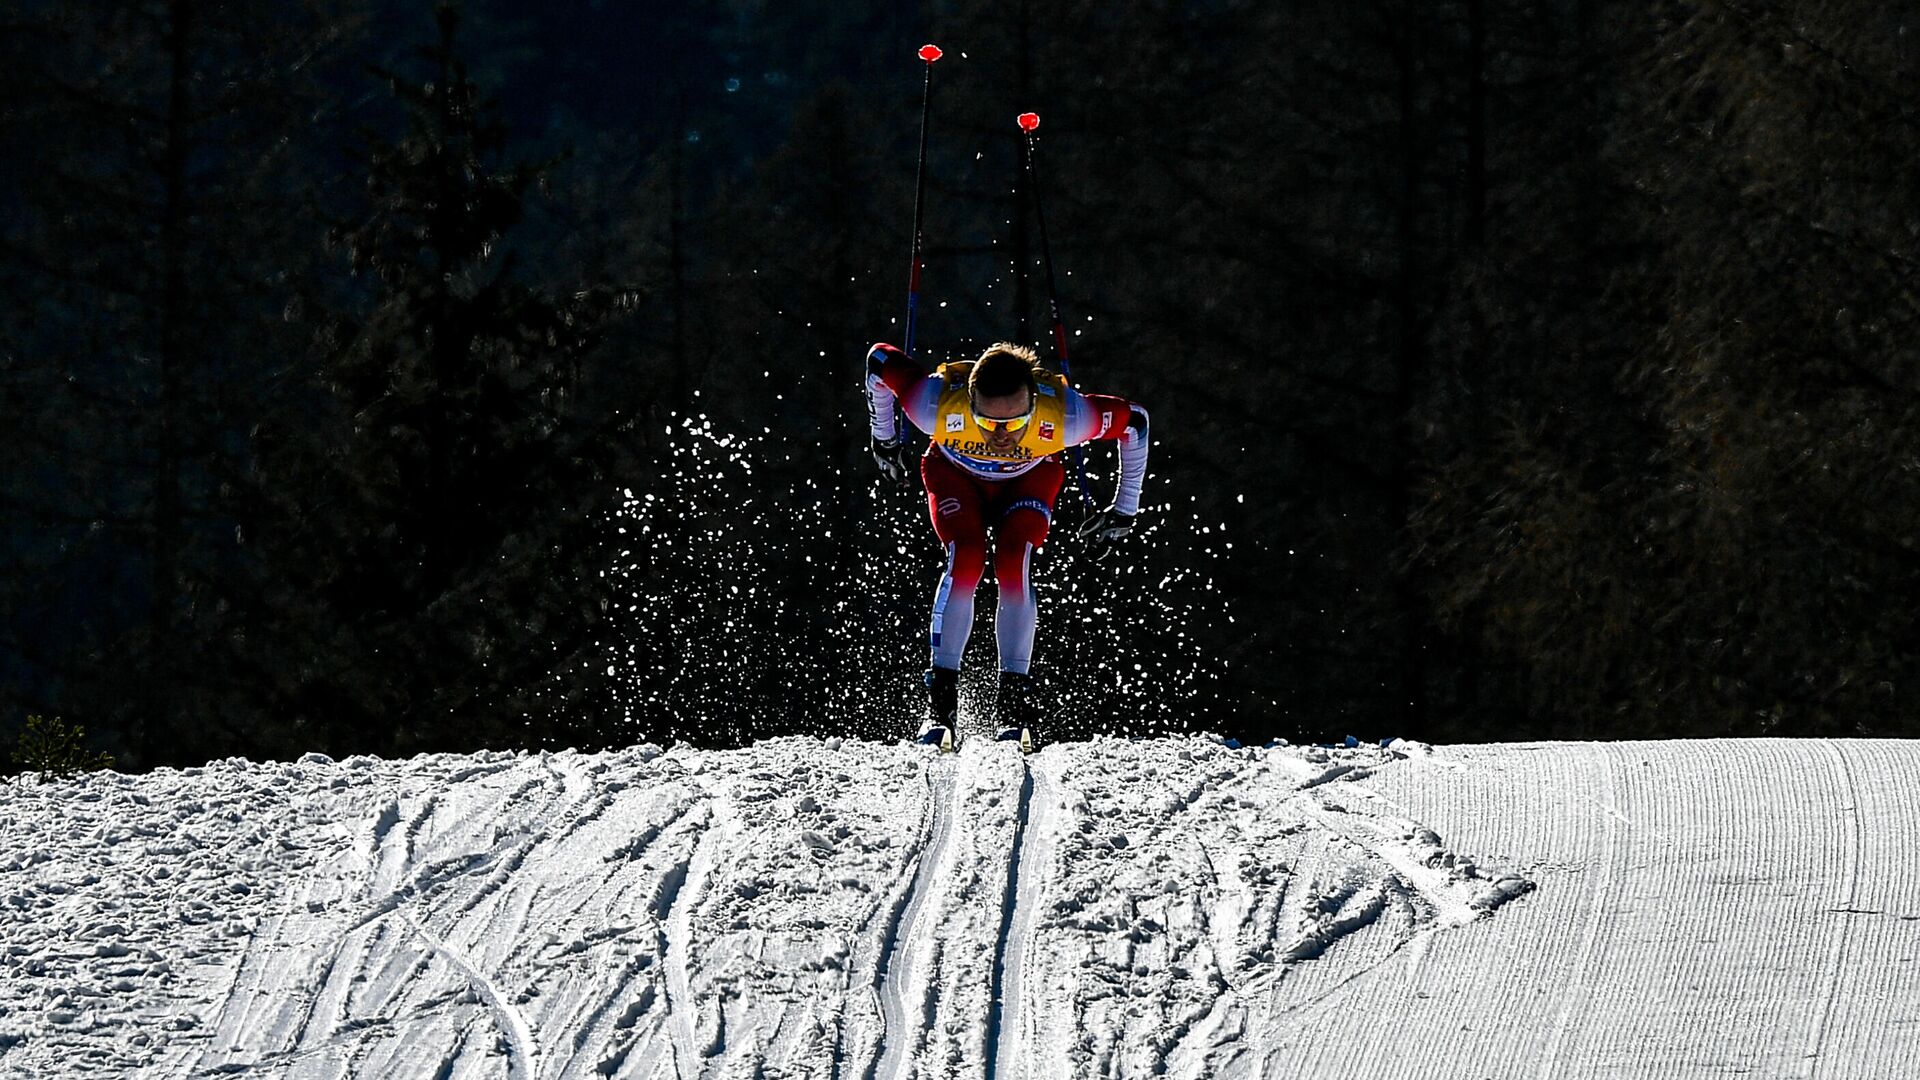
x: 894, y: 376
x: 1103, y: 417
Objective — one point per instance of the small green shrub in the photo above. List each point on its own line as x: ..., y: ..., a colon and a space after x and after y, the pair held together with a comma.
x: 56, y: 750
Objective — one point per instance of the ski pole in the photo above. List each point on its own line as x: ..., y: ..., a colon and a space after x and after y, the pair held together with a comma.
x: 1030, y: 123
x: 928, y: 53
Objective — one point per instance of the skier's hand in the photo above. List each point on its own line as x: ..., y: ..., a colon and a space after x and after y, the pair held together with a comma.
x: 893, y: 458
x: 1106, y: 528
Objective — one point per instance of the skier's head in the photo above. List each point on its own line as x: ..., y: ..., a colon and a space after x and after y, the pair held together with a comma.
x: 1001, y: 387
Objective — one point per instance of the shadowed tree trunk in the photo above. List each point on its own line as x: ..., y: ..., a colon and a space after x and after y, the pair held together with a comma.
x: 172, y: 359
x: 1410, y: 600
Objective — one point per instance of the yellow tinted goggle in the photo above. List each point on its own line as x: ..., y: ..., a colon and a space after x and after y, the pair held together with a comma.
x: 1001, y: 424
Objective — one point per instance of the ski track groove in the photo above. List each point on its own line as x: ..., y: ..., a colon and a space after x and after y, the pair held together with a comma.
x: 473, y: 873
x: 1175, y: 1039
x: 1213, y: 892
x: 1837, y: 962
x: 596, y: 1025
x: 1009, y: 950
x: 1445, y: 904
x: 1184, y: 1042
x: 289, y: 1027
x: 682, y: 891
x: 459, y: 876
x: 1422, y: 896
x: 402, y: 886
x: 1610, y: 845
x: 893, y: 975
x: 459, y: 870
x: 523, y: 1058
x: 600, y: 1026
x: 1333, y: 774
x: 654, y: 1026
x: 315, y: 1000
x: 1376, y: 909
x: 293, y: 899
x: 226, y: 1006
x: 392, y: 848
x: 870, y: 975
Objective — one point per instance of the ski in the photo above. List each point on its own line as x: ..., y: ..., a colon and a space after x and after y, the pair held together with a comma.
x: 1022, y: 735
x: 943, y: 736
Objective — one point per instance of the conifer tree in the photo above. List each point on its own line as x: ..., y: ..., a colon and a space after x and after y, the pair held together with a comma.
x: 441, y: 527
x: 157, y: 160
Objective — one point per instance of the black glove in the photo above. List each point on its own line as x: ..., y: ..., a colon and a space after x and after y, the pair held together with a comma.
x: 1106, y: 528
x: 893, y: 458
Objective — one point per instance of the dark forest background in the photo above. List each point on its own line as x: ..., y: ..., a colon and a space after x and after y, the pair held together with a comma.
x: 384, y: 378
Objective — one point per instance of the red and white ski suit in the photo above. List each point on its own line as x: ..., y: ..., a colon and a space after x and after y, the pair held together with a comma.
x: 974, y: 488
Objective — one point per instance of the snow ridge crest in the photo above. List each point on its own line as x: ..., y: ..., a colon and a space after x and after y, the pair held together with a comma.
x: 802, y: 907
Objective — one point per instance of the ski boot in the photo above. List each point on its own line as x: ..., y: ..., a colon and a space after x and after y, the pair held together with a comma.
x: 943, y: 710
x: 1015, y: 708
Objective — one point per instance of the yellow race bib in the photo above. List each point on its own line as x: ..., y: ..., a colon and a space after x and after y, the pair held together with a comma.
x: 1044, y: 435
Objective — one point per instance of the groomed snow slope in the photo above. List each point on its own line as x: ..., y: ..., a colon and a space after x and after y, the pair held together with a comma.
x: 830, y: 910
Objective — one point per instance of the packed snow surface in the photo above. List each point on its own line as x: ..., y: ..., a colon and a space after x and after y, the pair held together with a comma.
x: 1175, y: 907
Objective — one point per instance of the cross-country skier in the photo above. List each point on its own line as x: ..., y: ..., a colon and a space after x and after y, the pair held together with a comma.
x: 996, y: 428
